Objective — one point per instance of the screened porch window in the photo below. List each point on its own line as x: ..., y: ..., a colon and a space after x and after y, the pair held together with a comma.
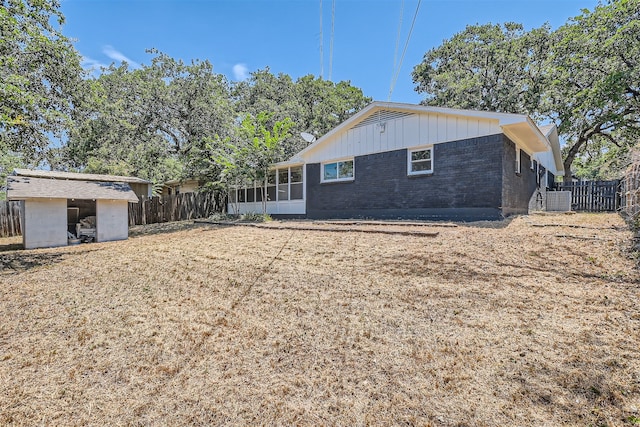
x: 271, y: 186
x: 283, y: 184
x: 296, y: 183
x: 250, y: 194
x: 280, y: 185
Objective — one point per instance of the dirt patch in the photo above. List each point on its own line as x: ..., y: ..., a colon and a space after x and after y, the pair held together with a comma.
x: 534, y: 322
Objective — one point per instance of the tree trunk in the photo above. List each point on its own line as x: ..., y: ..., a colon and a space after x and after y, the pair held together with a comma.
x: 571, y: 156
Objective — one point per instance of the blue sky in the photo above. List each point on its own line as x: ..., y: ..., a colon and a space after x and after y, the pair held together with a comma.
x: 242, y: 36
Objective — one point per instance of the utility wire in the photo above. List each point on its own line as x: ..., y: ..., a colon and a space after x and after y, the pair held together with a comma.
x: 333, y: 20
x: 321, y: 48
x: 395, y: 77
x: 395, y: 54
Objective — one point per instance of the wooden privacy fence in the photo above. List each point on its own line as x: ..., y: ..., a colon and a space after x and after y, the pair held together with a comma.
x: 175, y: 207
x: 594, y: 196
x: 631, y: 188
x: 10, y: 224
x: 148, y: 211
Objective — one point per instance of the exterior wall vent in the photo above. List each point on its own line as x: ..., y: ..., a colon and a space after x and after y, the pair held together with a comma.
x: 381, y: 117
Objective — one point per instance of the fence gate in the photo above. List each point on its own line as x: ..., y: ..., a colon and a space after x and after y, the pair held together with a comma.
x: 594, y: 196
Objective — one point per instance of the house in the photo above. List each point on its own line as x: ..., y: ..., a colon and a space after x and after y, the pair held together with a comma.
x: 177, y: 186
x: 59, y: 208
x: 393, y: 160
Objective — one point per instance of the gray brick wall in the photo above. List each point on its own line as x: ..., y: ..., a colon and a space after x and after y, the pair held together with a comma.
x: 518, y: 188
x: 466, y: 185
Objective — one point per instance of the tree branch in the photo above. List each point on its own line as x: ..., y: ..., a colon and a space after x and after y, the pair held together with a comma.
x: 611, y: 139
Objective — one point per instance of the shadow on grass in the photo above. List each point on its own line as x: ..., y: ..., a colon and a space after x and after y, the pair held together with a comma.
x: 504, y: 223
x: 488, y: 267
x: 19, y: 260
x: 10, y: 247
x: 162, y: 228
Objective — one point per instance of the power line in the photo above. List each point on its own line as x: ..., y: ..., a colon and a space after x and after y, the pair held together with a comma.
x: 321, y: 47
x: 333, y: 19
x: 395, y: 77
x: 395, y: 54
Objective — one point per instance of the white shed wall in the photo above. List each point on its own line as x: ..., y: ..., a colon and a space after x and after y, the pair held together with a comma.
x: 112, y: 220
x: 45, y: 223
x: 403, y: 132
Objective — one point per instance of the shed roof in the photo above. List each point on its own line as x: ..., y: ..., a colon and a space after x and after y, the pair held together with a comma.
x: 26, y: 187
x: 78, y: 176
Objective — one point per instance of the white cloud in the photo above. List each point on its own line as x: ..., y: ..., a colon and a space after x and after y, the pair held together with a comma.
x: 118, y: 56
x: 240, y: 72
x: 91, y: 64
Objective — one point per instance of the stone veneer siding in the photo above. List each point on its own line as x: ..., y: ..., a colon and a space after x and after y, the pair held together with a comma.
x: 466, y: 184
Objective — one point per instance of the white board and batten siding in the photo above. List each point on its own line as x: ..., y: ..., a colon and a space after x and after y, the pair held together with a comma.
x: 400, y: 132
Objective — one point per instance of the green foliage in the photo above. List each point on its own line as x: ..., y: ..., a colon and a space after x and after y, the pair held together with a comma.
x: 166, y: 120
x: 171, y: 120
x: 633, y: 420
x: 246, y: 217
x: 221, y: 216
x: 594, y: 81
x: 487, y: 67
x: 248, y: 157
x: 585, y: 76
x: 255, y: 217
x: 40, y: 77
x: 314, y: 105
x: 154, y: 122
x: 8, y: 162
x: 601, y: 160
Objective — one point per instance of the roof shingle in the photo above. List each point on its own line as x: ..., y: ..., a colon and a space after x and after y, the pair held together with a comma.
x: 78, y: 176
x: 25, y: 187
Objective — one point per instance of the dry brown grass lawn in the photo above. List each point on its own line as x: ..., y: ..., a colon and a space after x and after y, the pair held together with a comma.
x: 509, y: 324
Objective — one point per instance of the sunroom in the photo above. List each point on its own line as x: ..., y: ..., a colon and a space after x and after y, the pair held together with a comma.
x: 282, y: 193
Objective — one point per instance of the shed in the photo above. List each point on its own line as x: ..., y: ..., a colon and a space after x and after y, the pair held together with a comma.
x: 56, y: 211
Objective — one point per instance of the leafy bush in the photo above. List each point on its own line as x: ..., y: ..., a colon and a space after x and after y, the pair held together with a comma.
x: 221, y: 216
x: 247, y: 217
x: 255, y: 217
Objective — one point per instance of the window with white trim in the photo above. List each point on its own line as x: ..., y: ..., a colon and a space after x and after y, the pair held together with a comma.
x: 420, y: 161
x: 338, y: 171
x: 518, y: 161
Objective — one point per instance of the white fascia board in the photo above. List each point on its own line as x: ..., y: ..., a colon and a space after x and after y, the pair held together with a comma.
x: 527, y: 136
x: 294, y: 161
x: 538, y: 132
x: 503, y: 118
x: 554, y: 140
